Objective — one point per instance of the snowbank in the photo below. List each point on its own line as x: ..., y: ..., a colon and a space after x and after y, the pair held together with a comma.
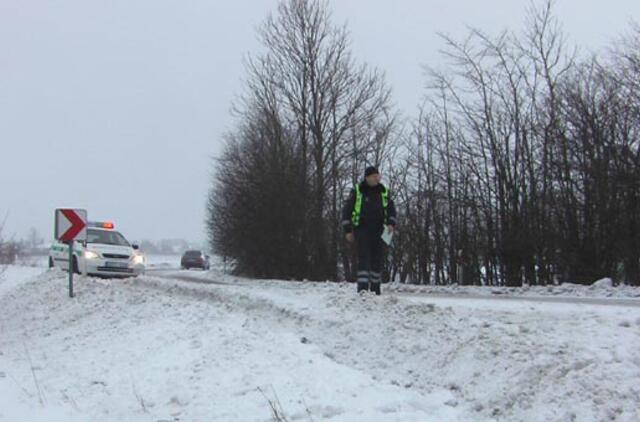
x: 600, y: 289
x: 167, y: 349
x: 146, y: 350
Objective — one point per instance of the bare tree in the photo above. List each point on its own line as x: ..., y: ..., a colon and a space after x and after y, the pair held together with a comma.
x: 336, y: 114
x: 339, y: 111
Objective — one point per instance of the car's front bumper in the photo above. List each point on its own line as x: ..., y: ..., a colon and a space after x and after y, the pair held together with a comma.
x: 112, y: 268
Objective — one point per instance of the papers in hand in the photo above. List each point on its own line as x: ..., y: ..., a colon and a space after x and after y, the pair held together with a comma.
x: 387, y: 235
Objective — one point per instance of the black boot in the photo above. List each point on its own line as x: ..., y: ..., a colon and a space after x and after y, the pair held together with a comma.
x: 375, y: 287
x: 363, y: 287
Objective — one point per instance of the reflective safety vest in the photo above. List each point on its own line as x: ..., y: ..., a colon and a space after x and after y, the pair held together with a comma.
x: 357, y: 207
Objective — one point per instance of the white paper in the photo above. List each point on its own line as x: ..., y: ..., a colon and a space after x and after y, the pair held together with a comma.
x: 387, y: 235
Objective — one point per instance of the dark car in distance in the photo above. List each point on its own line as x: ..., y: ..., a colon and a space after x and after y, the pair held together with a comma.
x: 194, y: 259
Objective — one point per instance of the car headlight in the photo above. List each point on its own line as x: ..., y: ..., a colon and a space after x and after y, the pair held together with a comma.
x: 138, y: 259
x: 91, y: 255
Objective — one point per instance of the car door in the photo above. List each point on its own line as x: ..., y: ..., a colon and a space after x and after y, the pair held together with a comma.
x: 57, y: 253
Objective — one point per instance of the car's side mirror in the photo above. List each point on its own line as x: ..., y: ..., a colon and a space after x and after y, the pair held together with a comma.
x: 135, y: 246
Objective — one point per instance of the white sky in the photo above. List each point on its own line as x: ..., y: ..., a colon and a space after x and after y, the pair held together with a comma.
x: 117, y: 106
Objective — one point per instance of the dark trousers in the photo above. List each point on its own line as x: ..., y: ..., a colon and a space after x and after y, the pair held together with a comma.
x: 370, y: 250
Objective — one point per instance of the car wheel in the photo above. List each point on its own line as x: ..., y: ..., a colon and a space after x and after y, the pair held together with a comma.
x: 51, y: 264
x: 76, y: 270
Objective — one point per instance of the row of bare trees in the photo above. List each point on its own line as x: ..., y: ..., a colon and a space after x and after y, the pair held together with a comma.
x: 522, y: 166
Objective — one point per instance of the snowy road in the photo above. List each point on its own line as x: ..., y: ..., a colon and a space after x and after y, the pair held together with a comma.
x: 206, y: 279
x: 219, y: 349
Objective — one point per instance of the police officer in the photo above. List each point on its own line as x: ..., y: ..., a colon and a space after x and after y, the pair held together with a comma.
x: 364, y: 216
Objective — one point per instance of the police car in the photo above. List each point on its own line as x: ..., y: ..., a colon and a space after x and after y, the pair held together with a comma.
x: 105, y: 253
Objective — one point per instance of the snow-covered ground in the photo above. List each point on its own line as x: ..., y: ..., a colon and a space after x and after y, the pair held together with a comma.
x: 162, y: 348
x: 13, y: 275
x: 158, y: 262
x: 599, y: 289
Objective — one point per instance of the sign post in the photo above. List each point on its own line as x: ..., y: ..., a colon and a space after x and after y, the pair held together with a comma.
x: 71, y: 269
x: 71, y: 226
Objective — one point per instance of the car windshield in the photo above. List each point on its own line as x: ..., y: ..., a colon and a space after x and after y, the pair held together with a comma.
x: 193, y: 254
x: 106, y: 237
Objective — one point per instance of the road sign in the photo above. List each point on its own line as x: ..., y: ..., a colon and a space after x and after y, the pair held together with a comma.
x: 71, y: 224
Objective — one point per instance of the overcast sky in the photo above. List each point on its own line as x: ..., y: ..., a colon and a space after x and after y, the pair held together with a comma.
x: 117, y: 106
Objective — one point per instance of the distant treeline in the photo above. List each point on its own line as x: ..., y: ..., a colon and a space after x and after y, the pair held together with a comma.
x: 522, y: 165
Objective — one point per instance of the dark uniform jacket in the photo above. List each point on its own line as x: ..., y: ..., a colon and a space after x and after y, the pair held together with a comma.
x: 372, y: 216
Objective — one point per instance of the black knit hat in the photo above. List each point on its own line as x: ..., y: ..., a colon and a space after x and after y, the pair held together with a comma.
x: 370, y: 170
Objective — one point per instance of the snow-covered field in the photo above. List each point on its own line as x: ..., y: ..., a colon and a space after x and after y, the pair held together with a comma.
x: 163, y: 348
